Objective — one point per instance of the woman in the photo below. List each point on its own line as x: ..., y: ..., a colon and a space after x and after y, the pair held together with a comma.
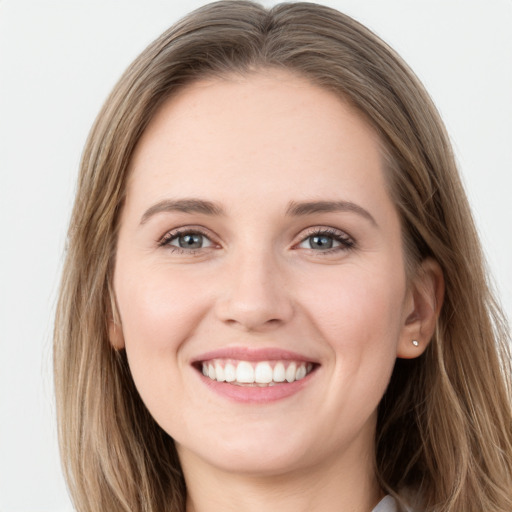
x: 274, y: 294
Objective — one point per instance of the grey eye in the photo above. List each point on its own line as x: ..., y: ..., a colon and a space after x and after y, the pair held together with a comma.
x: 324, y: 241
x: 320, y: 242
x: 190, y: 241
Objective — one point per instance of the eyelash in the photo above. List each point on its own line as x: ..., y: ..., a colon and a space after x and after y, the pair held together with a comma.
x: 170, y: 236
x: 346, y: 242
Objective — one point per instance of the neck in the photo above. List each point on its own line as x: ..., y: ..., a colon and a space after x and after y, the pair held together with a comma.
x: 333, y: 486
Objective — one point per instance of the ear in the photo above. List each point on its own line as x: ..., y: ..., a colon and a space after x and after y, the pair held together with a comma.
x: 115, y: 334
x: 422, y: 307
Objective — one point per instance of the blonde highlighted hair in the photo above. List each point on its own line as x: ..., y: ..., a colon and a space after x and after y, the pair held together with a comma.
x: 444, y: 433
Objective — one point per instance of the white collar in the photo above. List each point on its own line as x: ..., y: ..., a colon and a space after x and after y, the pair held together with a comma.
x: 387, y: 504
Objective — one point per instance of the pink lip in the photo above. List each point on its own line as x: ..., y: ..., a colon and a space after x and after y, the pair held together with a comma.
x: 254, y: 394
x: 248, y: 354
x: 249, y: 394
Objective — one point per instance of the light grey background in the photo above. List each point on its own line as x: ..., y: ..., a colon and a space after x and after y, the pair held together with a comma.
x: 58, y: 61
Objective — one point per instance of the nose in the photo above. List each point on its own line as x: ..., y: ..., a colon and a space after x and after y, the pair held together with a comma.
x: 255, y: 294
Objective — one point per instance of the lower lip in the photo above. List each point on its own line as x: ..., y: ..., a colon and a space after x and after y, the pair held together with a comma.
x: 256, y: 394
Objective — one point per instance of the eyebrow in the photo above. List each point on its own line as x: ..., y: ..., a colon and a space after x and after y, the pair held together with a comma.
x: 312, y: 207
x: 183, y: 206
x: 294, y: 208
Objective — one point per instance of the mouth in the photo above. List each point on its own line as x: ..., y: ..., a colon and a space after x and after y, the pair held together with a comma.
x: 255, y: 376
x: 247, y: 373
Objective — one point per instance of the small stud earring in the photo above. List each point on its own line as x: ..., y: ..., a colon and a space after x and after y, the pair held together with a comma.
x: 416, y: 343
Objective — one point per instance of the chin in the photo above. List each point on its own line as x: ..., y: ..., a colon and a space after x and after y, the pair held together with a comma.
x: 250, y: 455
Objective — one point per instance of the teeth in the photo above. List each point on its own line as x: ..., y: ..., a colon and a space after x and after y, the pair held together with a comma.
x: 229, y: 373
x: 244, y: 373
x: 291, y: 372
x: 301, y: 373
x: 219, y: 373
x: 279, y: 373
x: 261, y: 373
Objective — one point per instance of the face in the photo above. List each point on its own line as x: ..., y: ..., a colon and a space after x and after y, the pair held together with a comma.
x: 259, y: 275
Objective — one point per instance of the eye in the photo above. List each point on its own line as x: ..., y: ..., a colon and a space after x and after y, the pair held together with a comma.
x: 186, y: 240
x: 326, y: 240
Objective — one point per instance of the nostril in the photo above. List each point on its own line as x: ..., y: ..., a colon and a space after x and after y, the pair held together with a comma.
x: 253, y: 301
x: 253, y: 323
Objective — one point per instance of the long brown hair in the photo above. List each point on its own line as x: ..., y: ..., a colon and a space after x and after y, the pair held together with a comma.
x: 444, y: 434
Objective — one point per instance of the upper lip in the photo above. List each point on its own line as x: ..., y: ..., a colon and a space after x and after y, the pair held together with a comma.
x: 252, y: 354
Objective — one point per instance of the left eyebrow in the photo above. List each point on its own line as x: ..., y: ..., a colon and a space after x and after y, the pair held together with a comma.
x: 308, y: 208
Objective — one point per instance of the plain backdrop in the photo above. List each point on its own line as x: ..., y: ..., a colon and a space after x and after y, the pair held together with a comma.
x: 58, y: 61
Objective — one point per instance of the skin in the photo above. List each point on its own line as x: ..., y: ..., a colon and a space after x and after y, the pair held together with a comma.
x: 252, y: 145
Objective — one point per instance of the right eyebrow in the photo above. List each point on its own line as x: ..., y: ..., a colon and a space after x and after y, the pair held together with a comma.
x: 190, y: 205
x: 312, y: 207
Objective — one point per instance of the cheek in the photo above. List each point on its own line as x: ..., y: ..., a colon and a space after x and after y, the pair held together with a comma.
x: 158, y: 314
x: 360, y: 314
x: 150, y: 305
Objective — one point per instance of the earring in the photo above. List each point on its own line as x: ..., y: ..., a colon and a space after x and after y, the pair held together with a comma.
x: 416, y: 343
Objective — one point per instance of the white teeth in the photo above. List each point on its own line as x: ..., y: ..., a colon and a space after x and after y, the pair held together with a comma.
x: 301, y: 372
x: 291, y: 372
x: 245, y: 373
x: 279, y: 373
x: 219, y: 373
x: 229, y: 373
x: 261, y: 373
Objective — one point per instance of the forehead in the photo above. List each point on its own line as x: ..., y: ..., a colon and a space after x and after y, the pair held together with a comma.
x: 258, y: 133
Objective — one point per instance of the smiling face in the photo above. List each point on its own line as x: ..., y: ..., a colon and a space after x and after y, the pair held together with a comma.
x: 260, y: 276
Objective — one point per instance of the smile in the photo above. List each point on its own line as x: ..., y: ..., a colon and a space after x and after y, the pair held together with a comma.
x: 252, y: 373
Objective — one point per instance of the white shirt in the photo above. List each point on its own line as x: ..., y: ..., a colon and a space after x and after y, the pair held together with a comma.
x: 387, y: 504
